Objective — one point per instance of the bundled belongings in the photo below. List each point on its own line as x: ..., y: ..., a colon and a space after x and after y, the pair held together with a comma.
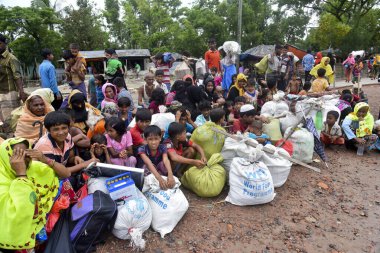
x: 168, y: 207
x: 207, y: 181
x: 272, y: 129
x: 303, y: 144
x: 133, y: 219
x: 182, y: 70
x: 250, y: 182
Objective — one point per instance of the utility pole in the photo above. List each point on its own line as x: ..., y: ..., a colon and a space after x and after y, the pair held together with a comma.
x: 240, y: 14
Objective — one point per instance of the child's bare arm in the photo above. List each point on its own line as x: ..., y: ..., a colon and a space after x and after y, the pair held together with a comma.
x: 199, y: 149
x: 113, y: 152
x: 153, y: 170
x: 170, y: 181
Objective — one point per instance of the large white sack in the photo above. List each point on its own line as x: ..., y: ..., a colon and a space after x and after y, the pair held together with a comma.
x: 278, y: 166
x: 97, y: 184
x: 168, y: 207
x: 133, y: 219
x: 231, y: 47
x: 162, y: 120
x: 290, y: 120
x: 250, y: 183
x: 233, y: 148
x: 303, y: 144
x: 274, y: 108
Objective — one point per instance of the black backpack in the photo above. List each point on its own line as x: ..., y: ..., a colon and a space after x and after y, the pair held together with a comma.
x: 91, y: 218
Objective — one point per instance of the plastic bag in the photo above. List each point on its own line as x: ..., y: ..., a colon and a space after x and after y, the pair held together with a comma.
x: 97, y: 184
x: 290, y: 120
x: 208, y: 181
x: 303, y: 144
x: 181, y: 70
x: 168, y: 207
x: 250, y: 183
x: 133, y: 219
x: 274, y: 108
x: 273, y: 130
x: 61, y: 203
x: 278, y: 166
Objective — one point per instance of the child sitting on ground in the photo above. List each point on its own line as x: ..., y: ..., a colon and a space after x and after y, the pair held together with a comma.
x: 257, y: 133
x: 154, y: 157
x: 143, y: 118
x: 293, y: 86
x: 182, y: 152
x: 331, y: 132
x: 218, y: 98
x: 205, y: 108
x: 125, y: 114
x: 305, y: 89
x: 183, y: 117
x: 156, y: 100
x: 250, y: 92
x: 238, y: 103
x: 99, y: 149
x: 344, y: 105
x: 119, y: 143
x: 320, y: 84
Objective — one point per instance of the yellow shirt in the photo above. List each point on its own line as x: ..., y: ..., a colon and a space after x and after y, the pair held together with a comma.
x: 319, y: 85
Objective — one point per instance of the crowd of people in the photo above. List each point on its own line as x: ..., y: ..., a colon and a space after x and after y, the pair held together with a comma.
x: 56, y: 137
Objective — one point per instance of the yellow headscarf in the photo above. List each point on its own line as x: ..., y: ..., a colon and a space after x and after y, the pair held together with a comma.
x: 240, y: 77
x: 366, y: 125
x: 24, y: 202
x: 329, y: 72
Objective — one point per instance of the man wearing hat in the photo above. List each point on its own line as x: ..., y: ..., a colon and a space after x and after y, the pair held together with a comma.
x: 11, y: 84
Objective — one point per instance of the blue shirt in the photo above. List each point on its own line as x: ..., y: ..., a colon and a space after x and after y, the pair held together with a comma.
x: 308, y: 62
x: 125, y: 93
x: 99, y: 95
x: 200, y: 120
x: 189, y: 129
x: 47, y: 75
x: 92, y: 85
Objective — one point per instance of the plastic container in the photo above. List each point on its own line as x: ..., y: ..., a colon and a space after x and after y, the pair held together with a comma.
x: 360, y: 150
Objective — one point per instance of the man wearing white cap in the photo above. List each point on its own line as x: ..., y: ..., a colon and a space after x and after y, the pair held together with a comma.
x: 247, y: 116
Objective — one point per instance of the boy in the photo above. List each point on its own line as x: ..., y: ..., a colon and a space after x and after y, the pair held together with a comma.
x: 214, y: 72
x: 154, y: 156
x: 125, y: 114
x: 145, y: 92
x: 57, y: 145
x: 183, y: 117
x: 320, y: 84
x: 238, y: 102
x: 305, y: 89
x: 205, y: 108
x: 257, y: 133
x: 293, y: 86
x: 331, y: 132
x: 180, y: 151
x: 123, y: 92
x: 247, y: 116
x: 159, y: 75
x: 114, y: 66
x: 143, y: 119
x: 212, y: 57
x: 250, y: 92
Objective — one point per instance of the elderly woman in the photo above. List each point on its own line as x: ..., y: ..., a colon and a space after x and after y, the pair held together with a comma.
x: 325, y: 64
x: 27, y: 191
x: 30, y: 123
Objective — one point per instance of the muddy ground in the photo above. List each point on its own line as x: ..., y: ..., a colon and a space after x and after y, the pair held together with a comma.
x: 341, y: 216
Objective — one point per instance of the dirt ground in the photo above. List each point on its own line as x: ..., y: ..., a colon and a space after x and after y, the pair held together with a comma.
x: 343, y: 216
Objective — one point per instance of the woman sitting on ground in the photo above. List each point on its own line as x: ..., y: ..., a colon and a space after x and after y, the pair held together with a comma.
x: 27, y: 191
x: 30, y: 123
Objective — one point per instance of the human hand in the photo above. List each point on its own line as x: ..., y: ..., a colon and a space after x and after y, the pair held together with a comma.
x: 123, y: 154
x: 360, y: 141
x: 36, y: 155
x: 170, y: 182
x: 78, y: 160
x: 333, y: 139
x: 204, y: 159
x: 23, y: 96
x: 188, y: 115
x: 199, y: 164
x: 163, y: 183
x: 17, y: 161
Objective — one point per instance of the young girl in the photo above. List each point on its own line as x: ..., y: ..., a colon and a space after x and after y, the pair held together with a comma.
x: 124, y: 113
x: 154, y: 156
x: 250, y: 92
x: 119, y: 143
x: 110, y: 94
x: 157, y: 99
x: 99, y: 149
x: 99, y: 82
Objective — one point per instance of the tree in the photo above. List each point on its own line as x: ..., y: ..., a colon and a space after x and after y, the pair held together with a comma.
x: 115, y: 25
x: 83, y: 26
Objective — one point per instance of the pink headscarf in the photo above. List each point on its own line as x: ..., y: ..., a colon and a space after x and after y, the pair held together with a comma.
x: 104, y: 87
x: 350, y: 60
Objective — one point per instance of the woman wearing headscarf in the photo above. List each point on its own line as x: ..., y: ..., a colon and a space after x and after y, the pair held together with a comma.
x: 27, y: 192
x: 324, y: 64
x: 30, y: 123
x: 237, y: 89
x: 110, y: 94
x: 348, y: 65
x: 318, y: 58
x: 358, y: 126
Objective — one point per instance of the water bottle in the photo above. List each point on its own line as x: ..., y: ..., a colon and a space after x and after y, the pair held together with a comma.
x: 360, y: 150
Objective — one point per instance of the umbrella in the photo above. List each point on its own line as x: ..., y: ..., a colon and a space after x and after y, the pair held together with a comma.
x: 318, y: 146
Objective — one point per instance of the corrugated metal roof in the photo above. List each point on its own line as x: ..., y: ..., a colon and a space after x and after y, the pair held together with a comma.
x: 120, y: 53
x: 260, y: 51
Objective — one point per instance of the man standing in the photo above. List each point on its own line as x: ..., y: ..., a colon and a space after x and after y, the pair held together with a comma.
x: 48, y: 77
x: 274, y: 65
x: 212, y: 57
x: 11, y: 84
x: 308, y: 64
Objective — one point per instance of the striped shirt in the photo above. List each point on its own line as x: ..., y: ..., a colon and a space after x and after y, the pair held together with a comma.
x: 50, y: 149
x: 165, y: 67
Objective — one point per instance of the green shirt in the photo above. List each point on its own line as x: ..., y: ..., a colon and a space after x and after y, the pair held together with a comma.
x: 112, y: 66
x: 10, y: 71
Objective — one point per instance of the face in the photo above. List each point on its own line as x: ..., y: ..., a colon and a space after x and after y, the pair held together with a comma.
x: 362, y: 112
x: 241, y: 83
x: 159, y: 61
x: 37, y: 106
x: 98, y: 150
x: 110, y: 92
x: 182, y: 120
x: 210, y: 87
x: 159, y: 78
x: 153, y: 141
x: 248, y: 119
x: 98, y: 82
x: 327, y: 62
x: 182, y: 136
x: 50, y: 57
x: 330, y: 120
x: 149, y: 80
x: 219, y: 89
x: 284, y: 51
x: 74, y: 51
x: 250, y: 88
x: 107, y: 55
x: 206, y: 113
x: 234, y: 79
x: 23, y: 147
x: 124, y: 109
x: 112, y: 132
x: 238, y: 105
x: 78, y: 106
x: 278, y: 51
x: 3, y: 46
x: 213, y: 72
x: 230, y: 108
x: 142, y: 124
x: 212, y: 45
x: 294, y: 78
x: 59, y: 133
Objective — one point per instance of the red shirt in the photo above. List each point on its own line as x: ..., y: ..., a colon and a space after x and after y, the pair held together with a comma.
x: 212, y: 59
x: 238, y: 126
x: 137, y: 136
x: 170, y: 146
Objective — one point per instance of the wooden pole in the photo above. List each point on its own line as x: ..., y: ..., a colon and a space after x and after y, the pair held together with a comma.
x: 267, y: 150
